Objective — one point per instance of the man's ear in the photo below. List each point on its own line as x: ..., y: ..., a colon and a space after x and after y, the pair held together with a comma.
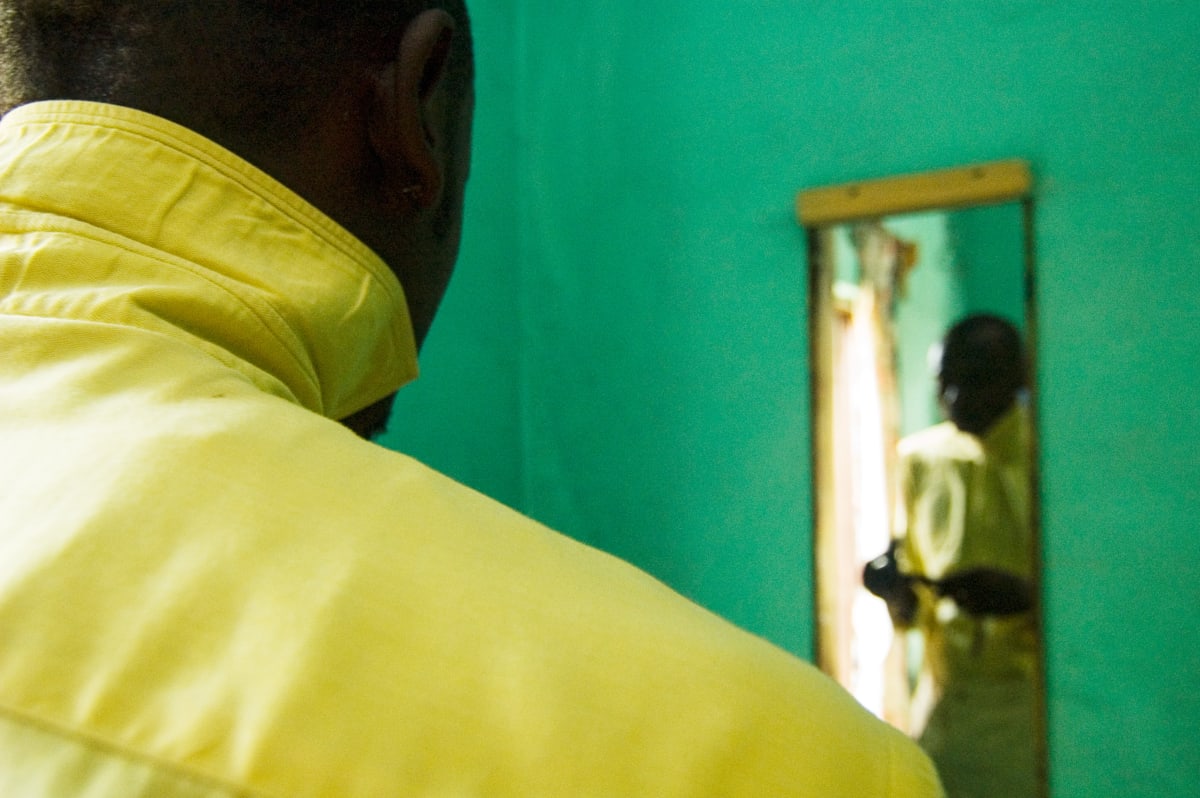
x: 406, y: 126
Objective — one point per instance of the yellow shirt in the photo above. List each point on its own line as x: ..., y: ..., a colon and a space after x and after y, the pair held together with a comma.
x: 209, y: 588
x: 965, y: 502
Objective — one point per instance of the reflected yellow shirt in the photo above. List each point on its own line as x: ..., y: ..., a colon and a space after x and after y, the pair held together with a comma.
x: 210, y: 588
x: 965, y: 502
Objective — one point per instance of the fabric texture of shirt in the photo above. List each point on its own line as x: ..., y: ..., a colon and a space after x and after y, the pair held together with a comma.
x: 965, y: 502
x: 209, y: 588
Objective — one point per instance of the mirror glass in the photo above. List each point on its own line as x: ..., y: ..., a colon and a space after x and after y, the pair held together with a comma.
x: 924, y: 456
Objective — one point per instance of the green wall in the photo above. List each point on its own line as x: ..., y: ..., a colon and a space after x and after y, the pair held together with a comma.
x: 989, y: 244
x: 463, y: 414
x: 623, y: 352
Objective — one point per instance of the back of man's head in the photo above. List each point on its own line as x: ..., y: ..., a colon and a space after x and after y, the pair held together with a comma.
x: 247, y: 73
x: 362, y: 107
x: 982, y: 370
x: 987, y: 338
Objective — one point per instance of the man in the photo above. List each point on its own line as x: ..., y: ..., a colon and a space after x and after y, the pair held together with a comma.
x: 210, y: 587
x: 964, y: 551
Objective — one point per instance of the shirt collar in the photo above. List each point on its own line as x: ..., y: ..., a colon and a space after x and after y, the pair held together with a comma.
x: 285, y: 288
x: 1008, y: 438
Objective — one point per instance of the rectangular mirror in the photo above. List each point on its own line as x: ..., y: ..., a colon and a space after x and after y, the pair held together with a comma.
x: 924, y: 462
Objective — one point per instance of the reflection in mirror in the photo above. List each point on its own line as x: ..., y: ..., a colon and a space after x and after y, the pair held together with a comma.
x: 926, y: 518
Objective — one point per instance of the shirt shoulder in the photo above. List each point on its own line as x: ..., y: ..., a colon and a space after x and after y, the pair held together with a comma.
x: 298, y: 611
x: 942, y: 442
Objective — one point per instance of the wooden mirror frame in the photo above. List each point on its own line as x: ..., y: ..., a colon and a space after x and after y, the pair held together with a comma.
x: 982, y: 184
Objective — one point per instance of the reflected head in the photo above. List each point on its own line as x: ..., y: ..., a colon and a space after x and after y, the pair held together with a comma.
x: 982, y: 369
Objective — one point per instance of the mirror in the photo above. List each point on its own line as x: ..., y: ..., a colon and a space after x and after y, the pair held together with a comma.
x: 926, y: 454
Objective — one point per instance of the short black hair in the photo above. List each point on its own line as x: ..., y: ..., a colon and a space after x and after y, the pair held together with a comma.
x: 245, y: 72
x: 990, y: 339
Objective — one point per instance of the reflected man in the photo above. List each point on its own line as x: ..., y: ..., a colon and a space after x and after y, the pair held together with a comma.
x: 964, y: 540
